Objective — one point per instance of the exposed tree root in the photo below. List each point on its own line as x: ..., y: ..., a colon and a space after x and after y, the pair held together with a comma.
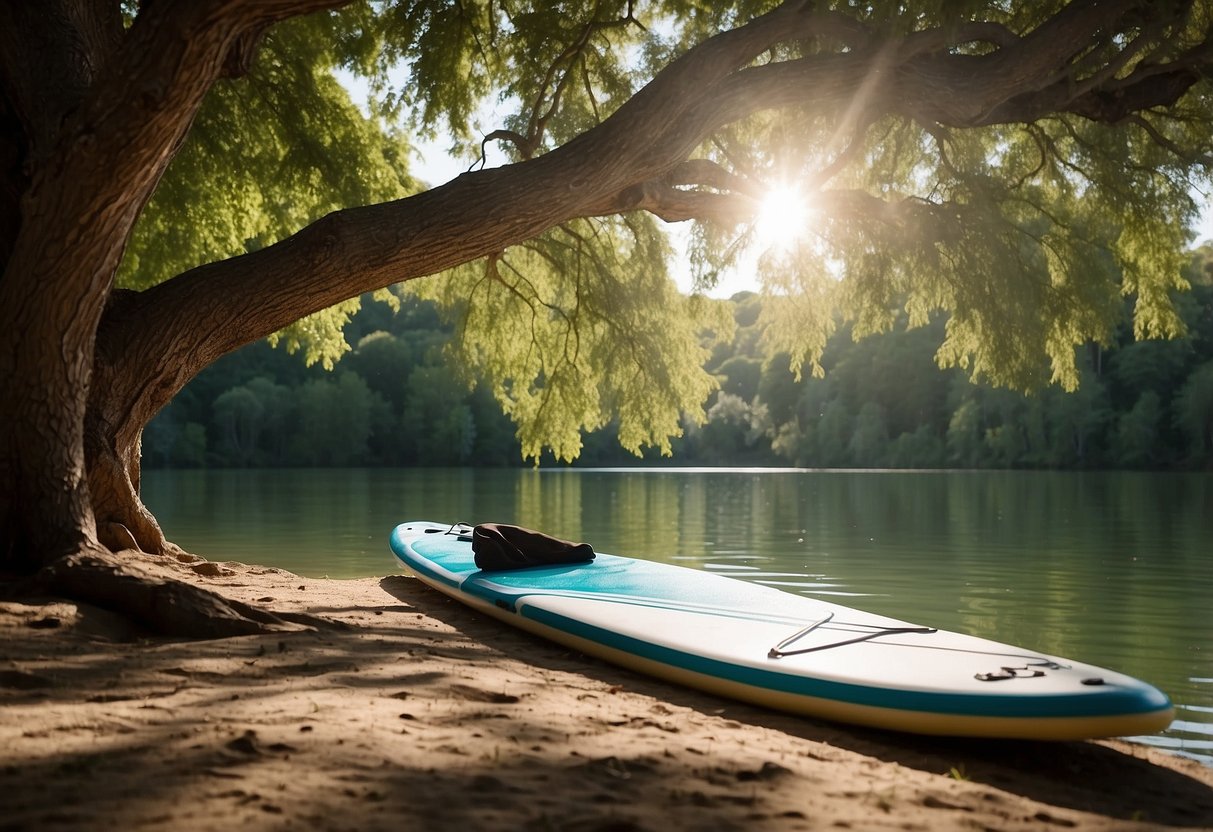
x: 151, y: 596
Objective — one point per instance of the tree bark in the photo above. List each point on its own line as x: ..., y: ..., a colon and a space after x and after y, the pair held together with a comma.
x: 45, y: 345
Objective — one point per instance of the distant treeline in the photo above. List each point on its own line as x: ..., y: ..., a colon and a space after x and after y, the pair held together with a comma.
x: 884, y: 402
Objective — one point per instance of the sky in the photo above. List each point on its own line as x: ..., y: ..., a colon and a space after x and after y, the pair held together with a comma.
x: 1204, y: 229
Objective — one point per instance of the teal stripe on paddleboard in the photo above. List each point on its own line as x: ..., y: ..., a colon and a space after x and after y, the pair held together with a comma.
x: 1101, y: 702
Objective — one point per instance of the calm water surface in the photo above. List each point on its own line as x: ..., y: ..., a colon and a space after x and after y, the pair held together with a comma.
x: 1112, y: 569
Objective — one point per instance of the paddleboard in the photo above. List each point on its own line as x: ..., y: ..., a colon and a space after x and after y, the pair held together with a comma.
x: 794, y: 653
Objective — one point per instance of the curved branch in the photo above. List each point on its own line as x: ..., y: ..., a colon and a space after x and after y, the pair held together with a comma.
x: 707, y: 173
x: 524, y: 146
x: 677, y: 205
x: 934, y: 40
x: 146, y: 99
x: 951, y: 90
x: 1162, y: 141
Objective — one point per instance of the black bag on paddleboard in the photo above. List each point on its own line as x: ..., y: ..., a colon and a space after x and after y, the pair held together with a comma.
x: 499, y: 546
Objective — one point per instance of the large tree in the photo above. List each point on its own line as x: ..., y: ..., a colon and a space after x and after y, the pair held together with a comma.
x: 1019, y: 166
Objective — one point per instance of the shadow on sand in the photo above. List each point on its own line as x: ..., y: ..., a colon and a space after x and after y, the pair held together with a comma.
x: 1100, y: 778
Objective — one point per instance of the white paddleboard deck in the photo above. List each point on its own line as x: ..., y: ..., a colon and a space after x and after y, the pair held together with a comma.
x: 798, y: 654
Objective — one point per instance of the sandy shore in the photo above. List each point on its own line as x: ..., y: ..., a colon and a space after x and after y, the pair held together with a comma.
x: 424, y: 715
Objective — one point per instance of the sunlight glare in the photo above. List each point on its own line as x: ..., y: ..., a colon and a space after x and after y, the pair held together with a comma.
x: 782, y: 219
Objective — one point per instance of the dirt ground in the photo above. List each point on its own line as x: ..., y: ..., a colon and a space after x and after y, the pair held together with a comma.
x: 421, y: 714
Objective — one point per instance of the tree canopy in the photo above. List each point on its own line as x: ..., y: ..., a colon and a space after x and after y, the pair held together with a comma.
x: 1026, y: 230
x: 178, y: 180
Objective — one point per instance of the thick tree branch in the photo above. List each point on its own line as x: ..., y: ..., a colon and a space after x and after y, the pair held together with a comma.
x: 953, y: 90
x: 121, y: 131
x: 678, y: 205
x: 706, y: 173
x: 683, y: 86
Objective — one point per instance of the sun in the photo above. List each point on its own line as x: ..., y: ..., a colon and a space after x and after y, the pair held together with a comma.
x: 782, y: 219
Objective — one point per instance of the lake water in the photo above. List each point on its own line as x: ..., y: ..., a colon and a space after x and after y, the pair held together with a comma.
x: 1112, y: 569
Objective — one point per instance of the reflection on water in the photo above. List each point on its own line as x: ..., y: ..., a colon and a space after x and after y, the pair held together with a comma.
x: 1113, y: 569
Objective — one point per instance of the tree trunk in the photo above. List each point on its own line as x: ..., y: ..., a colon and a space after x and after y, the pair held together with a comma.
x: 99, y: 126
x: 45, y: 362
x: 96, y: 129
